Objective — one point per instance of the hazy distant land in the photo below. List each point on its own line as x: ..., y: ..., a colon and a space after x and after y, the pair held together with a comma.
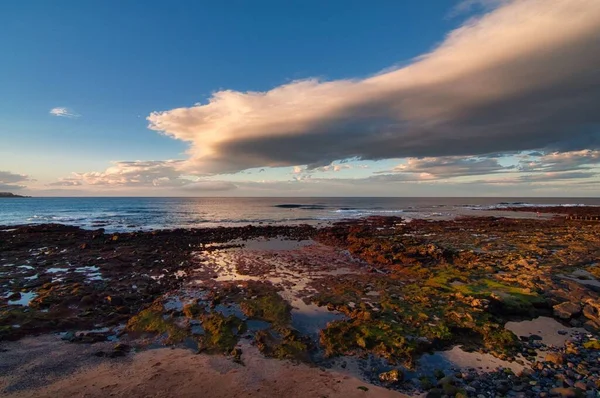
x: 11, y: 195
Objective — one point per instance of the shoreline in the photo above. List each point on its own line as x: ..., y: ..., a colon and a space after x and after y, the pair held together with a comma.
x: 311, y: 295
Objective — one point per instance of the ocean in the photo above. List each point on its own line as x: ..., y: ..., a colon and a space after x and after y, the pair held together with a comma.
x: 130, y: 214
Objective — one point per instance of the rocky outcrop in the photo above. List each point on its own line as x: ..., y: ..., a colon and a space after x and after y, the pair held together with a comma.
x: 567, y: 310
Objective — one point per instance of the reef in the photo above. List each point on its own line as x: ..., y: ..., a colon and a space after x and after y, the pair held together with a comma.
x: 384, y: 290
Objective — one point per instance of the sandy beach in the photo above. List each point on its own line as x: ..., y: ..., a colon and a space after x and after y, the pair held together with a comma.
x: 381, y: 307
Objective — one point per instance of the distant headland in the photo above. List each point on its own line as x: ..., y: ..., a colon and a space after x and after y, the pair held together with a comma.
x: 11, y: 195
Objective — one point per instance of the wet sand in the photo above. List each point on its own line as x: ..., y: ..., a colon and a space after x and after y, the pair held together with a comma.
x: 47, y: 367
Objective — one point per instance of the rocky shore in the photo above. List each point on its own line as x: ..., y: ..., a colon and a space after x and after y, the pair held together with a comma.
x: 379, y: 298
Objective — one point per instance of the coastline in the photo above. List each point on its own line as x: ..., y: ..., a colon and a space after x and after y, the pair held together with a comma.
x: 296, y: 290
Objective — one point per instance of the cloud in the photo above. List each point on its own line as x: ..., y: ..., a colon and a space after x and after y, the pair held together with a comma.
x: 466, y: 6
x: 66, y: 182
x: 552, y: 177
x: 63, y: 112
x: 561, y: 161
x: 449, y: 167
x: 8, y: 180
x: 138, y: 174
x: 130, y: 174
x: 524, y: 76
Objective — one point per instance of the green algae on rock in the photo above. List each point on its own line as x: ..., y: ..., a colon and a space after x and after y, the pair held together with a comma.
x: 152, y: 320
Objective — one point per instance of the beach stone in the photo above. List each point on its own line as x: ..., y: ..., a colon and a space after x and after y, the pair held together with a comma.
x: 592, y: 311
x: 564, y: 392
x: 14, y: 296
x: 87, y: 300
x: 115, y: 300
x: 567, y: 310
x: 435, y: 393
x: 555, y: 357
x: 393, y: 376
x: 581, y: 385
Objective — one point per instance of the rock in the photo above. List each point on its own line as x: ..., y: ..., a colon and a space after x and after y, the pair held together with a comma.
x: 567, y: 310
x: 581, y: 385
x: 236, y: 353
x: 435, y: 393
x: 592, y: 311
x: 393, y: 376
x: 592, y: 345
x: 14, y: 296
x: 502, y: 386
x: 115, y: 300
x: 438, y: 374
x: 555, y: 357
x: 87, y: 300
x: 564, y: 392
x: 518, y: 387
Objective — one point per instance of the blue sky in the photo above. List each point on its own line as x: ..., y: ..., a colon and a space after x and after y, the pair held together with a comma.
x: 106, y: 66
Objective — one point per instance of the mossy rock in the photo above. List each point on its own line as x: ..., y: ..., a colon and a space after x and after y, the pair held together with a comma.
x: 221, y: 333
x: 500, y: 341
x: 380, y: 338
x: 193, y: 310
x: 282, y: 343
x: 270, y: 307
x: 592, y: 345
x: 151, y: 320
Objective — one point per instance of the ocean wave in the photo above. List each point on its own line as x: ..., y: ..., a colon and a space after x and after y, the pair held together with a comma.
x: 367, y: 211
x: 300, y: 206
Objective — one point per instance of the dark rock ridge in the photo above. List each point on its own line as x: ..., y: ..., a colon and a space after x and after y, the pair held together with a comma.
x: 11, y: 195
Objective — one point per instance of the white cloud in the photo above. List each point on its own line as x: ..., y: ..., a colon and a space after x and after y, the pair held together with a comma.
x: 561, y: 161
x: 449, y: 167
x: 523, y: 76
x: 63, y: 112
x: 140, y: 174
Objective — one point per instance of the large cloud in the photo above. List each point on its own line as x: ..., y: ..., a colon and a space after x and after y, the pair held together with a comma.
x: 452, y: 166
x: 524, y: 76
x: 12, y: 181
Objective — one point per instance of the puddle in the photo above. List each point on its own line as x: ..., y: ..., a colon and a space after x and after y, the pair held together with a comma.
x: 92, y: 273
x: 230, y: 309
x: 56, y: 270
x: 274, y: 244
x: 197, y: 329
x: 458, y: 358
x: 309, y: 319
x: 583, y: 277
x: 255, y: 325
x: 547, y: 328
x: 26, y: 297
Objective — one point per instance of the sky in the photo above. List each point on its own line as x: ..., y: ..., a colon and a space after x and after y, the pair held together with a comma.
x: 300, y: 98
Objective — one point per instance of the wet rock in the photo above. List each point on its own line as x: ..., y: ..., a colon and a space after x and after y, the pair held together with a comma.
x: 68, y: 336
x: 555, y: 357
x: 115, y: 300
x: 14, y: 296
x: 435, y: 393
x: 567, y: 310
x: 392, y: 376
x: 564, y: 392
x: 87, y: 300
